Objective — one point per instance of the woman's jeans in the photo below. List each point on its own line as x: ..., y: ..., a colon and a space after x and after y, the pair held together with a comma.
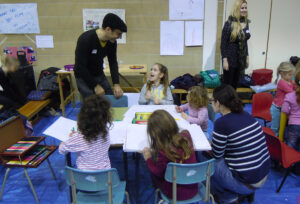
x: 294, y: 137
x: 225, y: 186
x: 276, y: 114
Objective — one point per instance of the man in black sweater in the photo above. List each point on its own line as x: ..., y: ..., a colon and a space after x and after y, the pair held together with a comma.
x: 92, y: 47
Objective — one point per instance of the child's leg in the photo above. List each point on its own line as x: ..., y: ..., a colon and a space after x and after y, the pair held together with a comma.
x: 294, y: 137
x: 276, y: 114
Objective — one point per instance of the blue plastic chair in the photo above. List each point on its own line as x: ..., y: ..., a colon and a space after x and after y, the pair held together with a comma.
x: 91, y: 187
x: 189, y: 174
x: 120, y: 102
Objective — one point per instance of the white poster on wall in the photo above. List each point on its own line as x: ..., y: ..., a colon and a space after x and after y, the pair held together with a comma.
x: 44, y: 41
x: 186, y: 9
x: 171, y: 38
x: 193, y: 33
x: 92, y: 18
x: 19, y: 18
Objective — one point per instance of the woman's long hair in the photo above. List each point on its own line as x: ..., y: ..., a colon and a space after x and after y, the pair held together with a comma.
x: 236, y: 24
x: 164, y: 135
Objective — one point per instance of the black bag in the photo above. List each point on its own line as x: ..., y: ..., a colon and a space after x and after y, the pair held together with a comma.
x: 246, y: 81
x: 184, y: 82
x: 294, y: 60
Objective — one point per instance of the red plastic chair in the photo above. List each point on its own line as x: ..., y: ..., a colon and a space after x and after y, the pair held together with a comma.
x: 261, y: 104
x: 281, y: 152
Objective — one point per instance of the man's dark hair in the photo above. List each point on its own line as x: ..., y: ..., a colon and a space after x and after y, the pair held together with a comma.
x: 114, y: 22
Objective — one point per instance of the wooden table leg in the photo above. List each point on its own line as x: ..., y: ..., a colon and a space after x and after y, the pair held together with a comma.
x: 72, y: 91
x: 145, y: 77
x: 61, y: 94
x: 129, y: 83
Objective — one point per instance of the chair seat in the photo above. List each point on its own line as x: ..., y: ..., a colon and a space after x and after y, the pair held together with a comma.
x: 290, y: 156
x: 265, y: 115
x: 102, y: 197
x: 198, y: 197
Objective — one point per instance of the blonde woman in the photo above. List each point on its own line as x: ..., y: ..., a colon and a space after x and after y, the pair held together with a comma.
x: 234, y: 47
x: 8, y: 96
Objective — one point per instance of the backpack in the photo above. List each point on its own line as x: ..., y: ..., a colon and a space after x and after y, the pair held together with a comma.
x: 184, y: 82
x: 246, y: 81
x: 211, y: 78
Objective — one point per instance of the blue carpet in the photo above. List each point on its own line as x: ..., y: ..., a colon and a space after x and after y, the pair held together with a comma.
x: 52, y: 191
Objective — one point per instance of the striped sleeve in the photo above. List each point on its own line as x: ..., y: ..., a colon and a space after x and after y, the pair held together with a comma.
x: 219, y: 141
x: 75, y: 143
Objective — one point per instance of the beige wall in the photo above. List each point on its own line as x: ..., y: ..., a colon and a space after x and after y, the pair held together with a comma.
x: 63, y: 20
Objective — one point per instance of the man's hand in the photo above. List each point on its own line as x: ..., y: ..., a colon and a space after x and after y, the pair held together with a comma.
x: 184, y: 115
x: 178, y: 109
x: 118, y: 92
x: 146, y: 153
x: 225, y: 64
x: 148, y: 95
x: 99, y: 90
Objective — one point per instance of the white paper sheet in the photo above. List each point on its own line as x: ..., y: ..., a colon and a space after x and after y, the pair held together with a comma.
x: 186, y: 9
x: 61, y: 128
x: 193, y: 33
x: 136, y: 138
x: 171, y: 38
x: 92, y: 18
x: 117, y: 132
x: 44, y: 41
x: 19, y: 18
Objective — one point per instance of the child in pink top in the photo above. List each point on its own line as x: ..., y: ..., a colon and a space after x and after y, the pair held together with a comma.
x: 91, y: 142
x: 285, y: 85
x: 197, y: 99
x: 291, y: 106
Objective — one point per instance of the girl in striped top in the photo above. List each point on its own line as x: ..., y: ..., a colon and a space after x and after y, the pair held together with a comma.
x: 91, y: 142
x: 239, y: 146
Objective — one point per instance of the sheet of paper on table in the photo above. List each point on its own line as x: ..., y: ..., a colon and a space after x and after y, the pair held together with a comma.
x: 62, y: 128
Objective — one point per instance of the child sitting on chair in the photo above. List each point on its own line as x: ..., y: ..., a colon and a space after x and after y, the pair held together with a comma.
x: 167, y: 144
x: 291, y: 106
x: 197, y: 99
x: 91, y: 142
x: 157, y: 91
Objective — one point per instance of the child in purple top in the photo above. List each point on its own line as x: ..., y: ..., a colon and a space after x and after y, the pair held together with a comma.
x: 167, y: 144
x: 197, y: 99
x: 291, y: 106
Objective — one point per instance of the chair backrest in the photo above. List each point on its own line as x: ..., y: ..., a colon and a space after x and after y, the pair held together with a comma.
x: 274, y: 144
x: 190, y: 173
x: 120, y: 102
x: 261, y: 101
x: 91, y: 180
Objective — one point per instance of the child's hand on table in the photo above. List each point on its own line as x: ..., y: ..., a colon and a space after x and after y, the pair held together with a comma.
x: 146, y: 153
x: 148, y: 95
x: 178, y: 109
x: 184, y: 115
x: 157, y: 101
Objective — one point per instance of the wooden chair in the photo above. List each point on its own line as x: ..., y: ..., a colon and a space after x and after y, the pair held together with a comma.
x: 32, y: 108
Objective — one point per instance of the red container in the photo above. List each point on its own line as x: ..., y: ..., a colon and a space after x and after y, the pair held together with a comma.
x: 262, y: 76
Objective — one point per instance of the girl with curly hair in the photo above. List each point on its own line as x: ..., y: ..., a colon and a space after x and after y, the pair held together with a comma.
x: 91, y: 142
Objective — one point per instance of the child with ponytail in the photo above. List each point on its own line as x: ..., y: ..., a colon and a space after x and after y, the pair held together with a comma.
x: 285, y: 85
x: 167, y: 144
x: 291, y: 106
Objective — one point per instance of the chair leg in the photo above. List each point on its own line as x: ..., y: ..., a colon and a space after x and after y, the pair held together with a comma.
x: 51, y: 169
x: 156, y: 196
x: 4, y: 181
x: 250, y: 197
x: 161, y: 201
x: 127, y: 197
x: 31, y: 186
x: 212, y: 199
x: 283, y: 180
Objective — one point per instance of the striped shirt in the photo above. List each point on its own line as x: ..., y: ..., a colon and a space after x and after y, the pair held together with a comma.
x: 90, y: 155
x: 239, y: 139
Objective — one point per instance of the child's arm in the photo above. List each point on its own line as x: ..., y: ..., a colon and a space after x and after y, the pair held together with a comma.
x: 184, y: 107
x: 285, y: 87
x: 142, y: 99
x: 202, y: 117
x: 168, y: 100
x: 285, y: 108
x: 75, y: 143
x: 158, y: 168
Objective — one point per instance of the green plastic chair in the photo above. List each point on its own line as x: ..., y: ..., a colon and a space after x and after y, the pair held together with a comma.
x: 96, y: 187
x: 189, y: 174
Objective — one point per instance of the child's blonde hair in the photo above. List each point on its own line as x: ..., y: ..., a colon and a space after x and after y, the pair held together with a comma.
x: 198, y: 97
x: 284, y: 67
x: 164, y: 80
x: 9, y: 61
x: 236, y: 25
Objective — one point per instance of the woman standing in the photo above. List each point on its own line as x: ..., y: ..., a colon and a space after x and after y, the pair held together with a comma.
x: 234, y: 47
x: 239, y: 146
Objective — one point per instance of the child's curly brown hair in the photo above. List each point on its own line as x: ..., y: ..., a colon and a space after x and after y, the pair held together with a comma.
x: 198, y: 97
x: 94, y: 117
